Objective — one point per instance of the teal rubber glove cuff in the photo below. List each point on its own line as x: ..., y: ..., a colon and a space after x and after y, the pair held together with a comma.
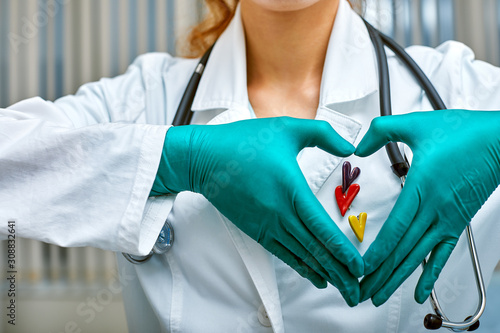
x: 175, y: 158
x: 455, y: 168
x: 248, y: 170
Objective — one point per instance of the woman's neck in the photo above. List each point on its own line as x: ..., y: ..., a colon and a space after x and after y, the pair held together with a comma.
x: 286, y: 52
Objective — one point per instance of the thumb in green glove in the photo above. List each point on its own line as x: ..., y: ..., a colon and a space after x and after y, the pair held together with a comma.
x: 248, y: 170
x: 455, y: 168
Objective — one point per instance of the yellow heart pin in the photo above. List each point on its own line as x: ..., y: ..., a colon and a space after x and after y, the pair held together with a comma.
x: 358, y: 225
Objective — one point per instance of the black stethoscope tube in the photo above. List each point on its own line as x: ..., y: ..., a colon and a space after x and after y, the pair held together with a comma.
x: 398, y: 164
x: 184, y: 113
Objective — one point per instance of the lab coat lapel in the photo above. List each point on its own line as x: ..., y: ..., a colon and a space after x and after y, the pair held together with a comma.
x: 350, y: 70
x: 316, y: 164
x: 176, y: 79
x: 224, y: 81
x: 257, y: 260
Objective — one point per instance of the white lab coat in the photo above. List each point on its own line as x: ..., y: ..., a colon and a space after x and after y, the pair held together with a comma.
x: 78, y: 172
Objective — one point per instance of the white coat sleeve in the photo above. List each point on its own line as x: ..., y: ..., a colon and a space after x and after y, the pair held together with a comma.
x: 78, y: 172
x: 462, y: 81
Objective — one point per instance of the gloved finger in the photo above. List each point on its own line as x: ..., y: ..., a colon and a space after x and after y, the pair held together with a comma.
x: 396, y: 225
x: 412, y: 261
x: 383, y: 130
x: 347, y: 284
x: 297, y: 264
x: 319, y: 133
x: 319, y: 223
x: 301, y: 253
x: 309, y: 249
x: 371, y: 283
x: 433, y: 268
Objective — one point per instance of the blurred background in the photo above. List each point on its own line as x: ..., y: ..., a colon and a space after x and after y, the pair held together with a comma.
x: 49, y: 48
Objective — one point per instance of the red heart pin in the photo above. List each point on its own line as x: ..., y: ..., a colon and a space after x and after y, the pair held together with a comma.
x: 345, y: 200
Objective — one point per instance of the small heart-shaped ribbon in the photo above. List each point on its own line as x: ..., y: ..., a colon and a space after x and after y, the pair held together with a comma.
x: 348, y: 177
x: 358, y: 225
x: 344, y: 200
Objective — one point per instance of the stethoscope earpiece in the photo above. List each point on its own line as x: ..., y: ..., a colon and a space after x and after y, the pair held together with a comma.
x: 433, y: 322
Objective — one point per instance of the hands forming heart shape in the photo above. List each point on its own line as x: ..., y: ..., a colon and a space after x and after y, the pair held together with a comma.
x: 248, y: 170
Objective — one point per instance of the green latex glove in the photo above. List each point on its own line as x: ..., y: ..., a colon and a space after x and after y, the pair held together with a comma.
x: 455, y: 168
x: 248, y: 170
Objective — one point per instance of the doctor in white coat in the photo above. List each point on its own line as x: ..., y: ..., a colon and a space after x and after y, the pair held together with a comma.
x: 80, y: 172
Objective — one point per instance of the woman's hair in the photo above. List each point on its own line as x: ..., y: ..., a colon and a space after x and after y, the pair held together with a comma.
x: 219, y: 14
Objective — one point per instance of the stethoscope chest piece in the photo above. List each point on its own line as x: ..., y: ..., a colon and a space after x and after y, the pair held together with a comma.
x: 163, y: 244
x: 165, y: 239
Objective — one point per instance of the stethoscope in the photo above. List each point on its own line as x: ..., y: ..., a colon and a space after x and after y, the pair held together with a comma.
x: 399, y: 165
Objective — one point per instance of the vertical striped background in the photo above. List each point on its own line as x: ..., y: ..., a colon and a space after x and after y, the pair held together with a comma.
x: 50, y: 47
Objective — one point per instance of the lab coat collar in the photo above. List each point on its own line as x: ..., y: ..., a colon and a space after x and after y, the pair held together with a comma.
x: 223, y: 84
x: 349, y: 72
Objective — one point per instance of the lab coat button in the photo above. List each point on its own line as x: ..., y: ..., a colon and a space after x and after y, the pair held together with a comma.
x: 263, y: 317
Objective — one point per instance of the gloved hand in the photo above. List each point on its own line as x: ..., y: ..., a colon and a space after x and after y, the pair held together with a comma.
x: 455, y: 168
x: 248, y: 170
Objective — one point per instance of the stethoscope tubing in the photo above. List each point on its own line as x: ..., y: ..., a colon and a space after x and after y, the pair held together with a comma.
x: 401, y: 168
x: 471, y: 320
x: 398, y: 164
x: 184, y: 114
